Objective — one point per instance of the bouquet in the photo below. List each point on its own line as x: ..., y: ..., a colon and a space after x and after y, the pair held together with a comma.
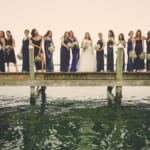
x: 148, y: 56
x: 142, y: 55
x: 74, y: 44
x: 69, y: 45
x: 84, y: 46
x: 132, y: 54
x: 97, y: 47
x: 51, y: 49
x: 19, y: 56
x: 8, y: 48
x: 37, y: 59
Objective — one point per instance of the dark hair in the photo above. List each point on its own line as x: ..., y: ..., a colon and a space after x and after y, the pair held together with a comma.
x: 89, y: 38
x: 65, y: 33
x: 26, y: 30
x: 71, y: 32
x: 112, y: 33
x: 137, y: 33
x: 3, y: 34
x: 130, y: 32
x: 33, y: 32
x: 47, y: 33
x: 8, y: 31
x: 148, y: 35
x: 121, y: 37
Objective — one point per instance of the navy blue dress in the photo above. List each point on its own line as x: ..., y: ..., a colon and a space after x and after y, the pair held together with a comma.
x: 100, y: 57
x: 10, y: 56
x: 38, y: 64
x: 25, y: 54
x: 75, y: 56
x: 110, y: 56
x: 139, y: 63
x: 148, y: 52
x: 49, y: 55
x: 64, y: 57
x: 130, y: 63
x: 2, y: 58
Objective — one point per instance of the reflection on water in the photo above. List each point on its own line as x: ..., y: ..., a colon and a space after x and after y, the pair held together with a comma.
x: 75, y: 125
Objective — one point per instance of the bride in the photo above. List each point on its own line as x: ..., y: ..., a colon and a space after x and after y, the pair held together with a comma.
x: 87, y: 61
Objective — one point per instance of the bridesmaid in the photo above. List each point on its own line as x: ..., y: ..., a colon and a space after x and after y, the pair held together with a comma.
x: 139, y: 48
x: 121, y: 40
x: 110, y: 51
x: 25, y: 51
x: 130, y: 63
x: 36, y: 42
x: 10, y: 54
x: 148, y: 51
x: 48, y: 43
x: 65, y: 53
x: 75, y: 51
x: 100, y: 53
x: 2, y: 51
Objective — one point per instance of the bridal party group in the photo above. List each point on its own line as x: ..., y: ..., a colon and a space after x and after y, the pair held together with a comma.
x: 86, y: 56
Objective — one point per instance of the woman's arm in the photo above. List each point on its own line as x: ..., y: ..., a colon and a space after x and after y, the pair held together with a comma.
x: 103, y: 43
x: 143, y: 43
x: 31, y: 43
x: 3, y: 42
x: 13, y: 43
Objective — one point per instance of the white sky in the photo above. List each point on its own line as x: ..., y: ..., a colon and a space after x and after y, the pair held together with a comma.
x: 77, y: 15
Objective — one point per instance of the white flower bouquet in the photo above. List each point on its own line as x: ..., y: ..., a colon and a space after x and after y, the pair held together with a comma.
x: 37, y: 59
x: 51, y: 49
x: 74, y: 44
x: 132, y: 54
x: 97, y: 47
x: 84, y: 46
x: 69, y: 45
x: 148, y: 56
x: 19, y: 56
x: 8, y: 48
x: 142, y: 55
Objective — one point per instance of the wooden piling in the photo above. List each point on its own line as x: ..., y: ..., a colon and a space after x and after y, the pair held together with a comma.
x: 119, y: 74
x: 32, y: 75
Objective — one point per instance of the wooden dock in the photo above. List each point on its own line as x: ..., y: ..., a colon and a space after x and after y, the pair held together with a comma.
x: 74, y: 79
x: 117, y: 79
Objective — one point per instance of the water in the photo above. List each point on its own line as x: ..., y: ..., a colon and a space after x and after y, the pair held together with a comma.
x: 69, y: 119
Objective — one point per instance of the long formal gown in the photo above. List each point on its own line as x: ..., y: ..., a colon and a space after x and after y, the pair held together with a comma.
x: 100, y: 56
x: 148, y: 52
x: 139, y: 63
x: 64, y: 57
x: 110, y: 56
x: 87, y: 61
x: 25, y: 55
x: 38, y: 64
x: 130, y: 63
x: 10, y: 55
x: 75, y: 57
x: 49, y: 55
x: 2, y: 60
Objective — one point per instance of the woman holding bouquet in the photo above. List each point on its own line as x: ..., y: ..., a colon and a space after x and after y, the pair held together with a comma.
x: 25, y: 51
x: 100, y: 53
x: 130, y: 64
x: 87, y: 61
x: 110, y: 51
x: 75, y: 51
x: 122, y: 43
x: 2, y: 51
x: 49, y: 49
x: 10, y: 52
x: 36, y: 42
x: 65, y: 53
x: 148, y: 51
x: 139, y: 49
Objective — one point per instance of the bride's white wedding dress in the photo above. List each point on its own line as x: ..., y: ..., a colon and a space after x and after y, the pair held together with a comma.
x: 87, y: 61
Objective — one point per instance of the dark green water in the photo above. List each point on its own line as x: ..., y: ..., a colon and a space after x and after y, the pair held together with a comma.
x: 75, y: 125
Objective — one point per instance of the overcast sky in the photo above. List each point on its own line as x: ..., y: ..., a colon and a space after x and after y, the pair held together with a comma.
x: 77, y: 15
